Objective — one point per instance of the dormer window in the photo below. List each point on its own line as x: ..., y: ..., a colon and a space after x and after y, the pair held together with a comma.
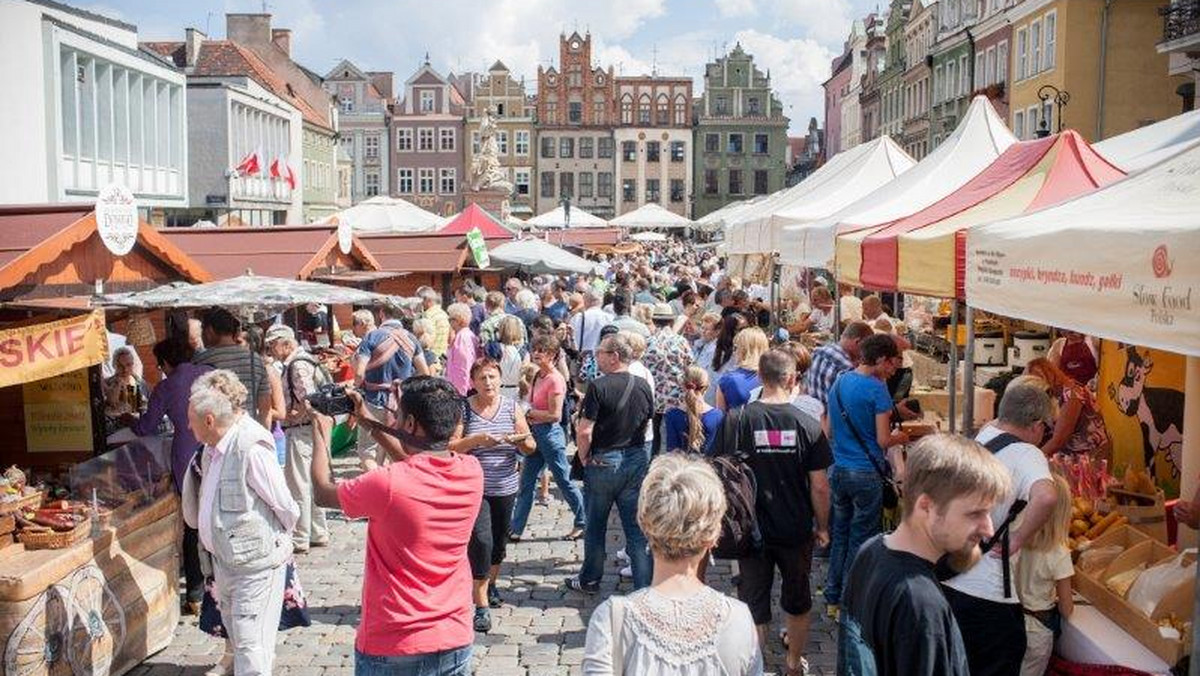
x: 426, y: 101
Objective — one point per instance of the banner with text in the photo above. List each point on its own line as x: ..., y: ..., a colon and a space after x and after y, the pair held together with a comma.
x: 42, y: 351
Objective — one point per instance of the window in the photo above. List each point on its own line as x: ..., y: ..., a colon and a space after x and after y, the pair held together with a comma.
x: 404, y: 138
x: 628, y: 190
x: 1031, y: 121
x: 677, y: 190
x: 629, y: 151
x: 521, y: 146
x: 680, y: 111
x: 710, y: 182
x: 735, y: 182
x: 371, y: 145
x: 425, y: 140
x: 989, y: 72
x: 346, y: 104
x: 425, y: 181
x: 627, y: 109
x: 653, y: 151
x: 964, y: 76
x: 447, y: 138
x: 1022, y: 49
x: 1035, y: 47
x: 502, y: 142
x: 735, y: 143
x: 1019, y: 124
x: 1002, y: 62
x: 663, y: 111
x: 587, y: 146
x: 599, y: 112
x: 548, y: 147
x: 721, y: 106
x: 551, y: 112
x: 566, y: 184
x: 979, y: 79
x: 605, y: 150
x: 760, y: 181
x: 448, y: 181
x: 761, y: 144
x: 653, y: 190
x: 604, y: 184
x: 427, y: 101
x: 372, y: 183
x: 521, y: 182
x: 678, y: 151
x: 752, y: 106
x: 547, y: 184
x: 475, y: 142
x: 938, y: 82
x: 644, y: 110
x: 404, y: 181
x: 1051, y: 40
x: 712, y: 143
x: 575, y: 112
x: 585, y: 183
x: 566, y: 147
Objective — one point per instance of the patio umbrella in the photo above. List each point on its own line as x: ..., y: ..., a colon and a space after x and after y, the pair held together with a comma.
x: 382, y: 214
x: 248, y: 293
x: 651, y: 215
x: 538, y: 256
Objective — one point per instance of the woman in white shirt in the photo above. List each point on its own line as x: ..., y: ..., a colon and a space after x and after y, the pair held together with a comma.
x: 677, y: 626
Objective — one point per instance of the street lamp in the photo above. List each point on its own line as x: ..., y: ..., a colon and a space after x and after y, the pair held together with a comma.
x: 1061, y: 98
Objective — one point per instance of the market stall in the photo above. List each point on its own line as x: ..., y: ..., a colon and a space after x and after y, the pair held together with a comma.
x: 651, y: 216
x: 385, y: 215
x: 88, y: 560
x: 560, y: 217
x: 438, y: 260
x: 1135, y: 282
x: 1149, y: 145
x: 537, y: 256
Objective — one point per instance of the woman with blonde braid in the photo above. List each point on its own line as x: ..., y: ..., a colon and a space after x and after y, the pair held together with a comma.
x: 692, y: 428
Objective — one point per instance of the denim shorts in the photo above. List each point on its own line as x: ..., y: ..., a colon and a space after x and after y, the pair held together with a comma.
x: 453, y: 662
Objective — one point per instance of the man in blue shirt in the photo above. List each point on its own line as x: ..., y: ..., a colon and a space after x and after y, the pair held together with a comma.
x: 385, y: 357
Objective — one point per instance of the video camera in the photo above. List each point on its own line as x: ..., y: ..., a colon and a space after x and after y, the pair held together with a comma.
x: 331, y: 400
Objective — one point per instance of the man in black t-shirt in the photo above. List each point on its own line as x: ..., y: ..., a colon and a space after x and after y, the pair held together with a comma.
x: 610, y: 441
x: 788, y: 454
x: 894, y: 618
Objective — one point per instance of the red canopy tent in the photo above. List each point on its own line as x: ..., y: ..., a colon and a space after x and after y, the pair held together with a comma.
x: 475, y: 217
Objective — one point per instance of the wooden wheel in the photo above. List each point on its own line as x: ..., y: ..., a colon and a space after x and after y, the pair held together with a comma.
x: 97, y: 623
x: 38, y: 645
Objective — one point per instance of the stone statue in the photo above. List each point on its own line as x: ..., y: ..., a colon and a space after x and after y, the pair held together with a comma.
x: 486, y: 172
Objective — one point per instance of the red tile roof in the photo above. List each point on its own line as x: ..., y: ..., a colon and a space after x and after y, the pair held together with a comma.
x: 287, y: 252
x: 420, y: 252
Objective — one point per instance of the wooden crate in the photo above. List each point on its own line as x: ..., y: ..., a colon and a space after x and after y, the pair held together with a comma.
x: 1150, y: 519
x: 1141, y: 627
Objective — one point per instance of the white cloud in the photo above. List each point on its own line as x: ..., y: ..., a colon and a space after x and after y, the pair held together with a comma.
x: 827, y: 21
x: 798, y: 67
x: 733, y: 8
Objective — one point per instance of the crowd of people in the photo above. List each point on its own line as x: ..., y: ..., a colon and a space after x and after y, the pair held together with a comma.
x: 664, y: 388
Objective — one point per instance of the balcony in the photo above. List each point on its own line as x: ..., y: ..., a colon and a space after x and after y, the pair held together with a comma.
x: 1181, y: 25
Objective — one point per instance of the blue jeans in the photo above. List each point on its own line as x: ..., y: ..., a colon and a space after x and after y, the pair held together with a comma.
x: 453, y: 662
x: 551, y: 453
x: 614, y: 476
x: 857, y: 501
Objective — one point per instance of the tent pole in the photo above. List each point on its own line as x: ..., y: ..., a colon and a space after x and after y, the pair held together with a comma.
x: 837, y: 309
x: 1190, y: 452
x: 772, y: 279
x: 951, y: 381
x: 968, y: 421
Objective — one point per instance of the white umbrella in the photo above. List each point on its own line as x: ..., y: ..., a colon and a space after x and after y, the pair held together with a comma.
x: 649, y: 237
x: 651, y: 215
x: 558, y: 218
x: 538, y: 256
x: 383, y: 214
x: 248, y: 293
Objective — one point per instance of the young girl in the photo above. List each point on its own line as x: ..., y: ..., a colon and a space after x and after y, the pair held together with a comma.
x: 693, y: 427
x: 1043, y: 579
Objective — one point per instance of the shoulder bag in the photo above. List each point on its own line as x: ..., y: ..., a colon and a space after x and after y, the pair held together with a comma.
x: 891, y: 491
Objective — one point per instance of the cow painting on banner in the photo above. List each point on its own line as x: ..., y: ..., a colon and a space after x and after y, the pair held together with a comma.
x: 1141, y: 399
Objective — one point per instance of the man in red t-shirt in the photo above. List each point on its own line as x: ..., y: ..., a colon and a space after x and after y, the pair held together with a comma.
x: 416, y: 608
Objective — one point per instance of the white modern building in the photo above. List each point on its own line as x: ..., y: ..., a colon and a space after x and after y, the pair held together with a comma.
x: 83, y: 106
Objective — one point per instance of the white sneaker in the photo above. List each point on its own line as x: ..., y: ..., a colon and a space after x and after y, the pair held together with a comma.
x: 622, y: 557
x: 627, y: 571
x: 222, y: 668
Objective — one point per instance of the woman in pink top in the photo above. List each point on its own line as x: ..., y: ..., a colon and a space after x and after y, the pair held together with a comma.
x: 464, y: 348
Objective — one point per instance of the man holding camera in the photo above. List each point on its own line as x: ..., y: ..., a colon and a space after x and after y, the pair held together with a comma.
x: 300, y: 379
x: 420, y: 509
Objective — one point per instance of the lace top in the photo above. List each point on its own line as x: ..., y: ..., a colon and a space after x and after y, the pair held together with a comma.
x: 706, y: 633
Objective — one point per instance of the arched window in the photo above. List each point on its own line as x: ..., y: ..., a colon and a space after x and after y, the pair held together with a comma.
x: 644, y: 111
x: 627, y: 109
x: 662, y: 110
x: 681, y: 111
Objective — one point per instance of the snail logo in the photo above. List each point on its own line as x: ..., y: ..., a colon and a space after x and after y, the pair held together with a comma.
x: 1161, y: 262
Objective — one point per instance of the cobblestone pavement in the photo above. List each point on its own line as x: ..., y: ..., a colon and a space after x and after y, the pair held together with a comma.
x: 540, y: 630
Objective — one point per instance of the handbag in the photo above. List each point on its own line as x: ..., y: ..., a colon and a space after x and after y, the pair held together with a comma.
x: 891, y: 491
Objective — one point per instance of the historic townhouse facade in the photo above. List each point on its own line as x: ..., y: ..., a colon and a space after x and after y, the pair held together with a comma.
x: 919, y: 35
x: 427, y: 137
x: 993, y: 42
x: 835, y: 88
x: 504, y: 96
x: 953, y: 57
x: 856, y: 48
x: 891, y: 79
x: 740, y: 134
x: 575, y: 117
x: 363, y: 98
x: 653, y: 139
x: 875, y: 61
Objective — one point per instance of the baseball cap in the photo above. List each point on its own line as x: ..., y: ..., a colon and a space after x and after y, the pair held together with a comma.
x: 278, y: 332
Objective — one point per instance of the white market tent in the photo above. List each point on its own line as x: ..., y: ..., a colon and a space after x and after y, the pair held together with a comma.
x: 557, y: 218
x: 847, y: 177
x: 537, y: 256
x: 649, y: 237
x: 978, y: 140
x: 651, y: 216
x: 1152, y: 144
x: 715, y: 220
x: 384, y: 214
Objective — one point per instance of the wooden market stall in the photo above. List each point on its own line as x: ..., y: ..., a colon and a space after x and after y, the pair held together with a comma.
x: 438, y: 260
x: 99, y: 595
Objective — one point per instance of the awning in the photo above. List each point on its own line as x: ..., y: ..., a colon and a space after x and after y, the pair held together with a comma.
x: 651, y: 215
x: 383, y: 214
x: 1119, y: 263
x: 1152, y: 144
x: 475, y: 217
x: 248, y: 292
x: 922, y: 253
x: 538, y: 256
x: 559, y: 218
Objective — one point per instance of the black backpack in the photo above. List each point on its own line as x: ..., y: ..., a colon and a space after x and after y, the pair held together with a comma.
x: 740, y: 535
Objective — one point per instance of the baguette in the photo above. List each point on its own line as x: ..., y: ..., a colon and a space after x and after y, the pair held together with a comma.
x: 1104, y: 524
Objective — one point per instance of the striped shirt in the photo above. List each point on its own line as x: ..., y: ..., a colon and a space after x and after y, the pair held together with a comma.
x: 248, y: 368
x: 500, y: 471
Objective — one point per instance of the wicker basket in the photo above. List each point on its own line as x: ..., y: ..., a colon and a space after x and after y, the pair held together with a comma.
x: 55, y: 539
x: 8, y: 523
x: 31, y: 501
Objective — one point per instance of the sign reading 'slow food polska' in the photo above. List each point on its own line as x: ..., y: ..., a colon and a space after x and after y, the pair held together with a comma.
x: 117, y: 218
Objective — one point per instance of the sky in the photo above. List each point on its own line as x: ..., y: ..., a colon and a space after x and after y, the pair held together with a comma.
x: 795, y: 40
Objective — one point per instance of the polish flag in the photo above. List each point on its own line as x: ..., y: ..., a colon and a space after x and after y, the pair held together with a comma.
x: 250, y: 165
x: 275, y: 171
x: 289, y: 175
